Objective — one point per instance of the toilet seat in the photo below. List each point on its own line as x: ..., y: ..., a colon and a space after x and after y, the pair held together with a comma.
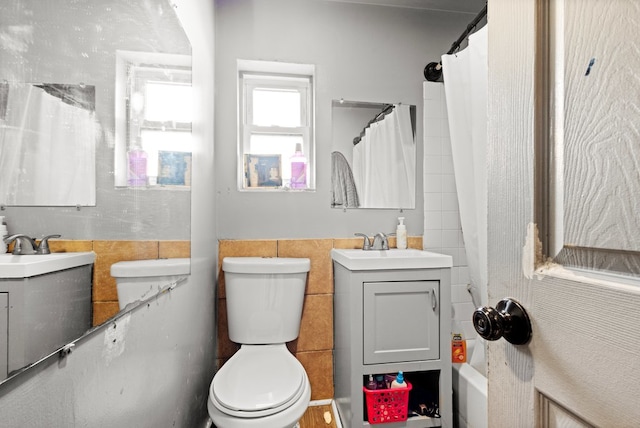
x: 258, y: 381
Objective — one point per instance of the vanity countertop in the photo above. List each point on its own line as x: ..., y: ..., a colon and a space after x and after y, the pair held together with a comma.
x: 25, y: 266
x: 390, y: 259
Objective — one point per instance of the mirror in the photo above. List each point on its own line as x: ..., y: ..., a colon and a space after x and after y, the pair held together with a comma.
x: 68, y: 51
x: 373, y: 155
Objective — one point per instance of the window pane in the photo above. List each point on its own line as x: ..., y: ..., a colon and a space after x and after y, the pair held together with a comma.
x: 276, y: 107
x: 167, y: 102
x: 284, y: 145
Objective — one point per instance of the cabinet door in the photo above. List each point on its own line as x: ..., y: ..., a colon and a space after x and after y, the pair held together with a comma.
x: 401, y: 321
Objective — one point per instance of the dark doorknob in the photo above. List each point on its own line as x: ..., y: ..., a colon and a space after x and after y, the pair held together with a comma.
x: 508, y: 319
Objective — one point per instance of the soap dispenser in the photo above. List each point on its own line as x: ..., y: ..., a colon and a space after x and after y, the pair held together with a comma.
x: 401, y: 234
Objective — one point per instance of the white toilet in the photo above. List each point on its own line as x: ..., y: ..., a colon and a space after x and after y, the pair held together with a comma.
x: 141, y: 279
x: 262, y: 385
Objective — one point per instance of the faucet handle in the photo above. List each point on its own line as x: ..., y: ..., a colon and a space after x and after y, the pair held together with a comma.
x: 366, y: 245
x: 43, y: 247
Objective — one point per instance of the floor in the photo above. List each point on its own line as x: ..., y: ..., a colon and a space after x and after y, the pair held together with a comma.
x: 314, y: 417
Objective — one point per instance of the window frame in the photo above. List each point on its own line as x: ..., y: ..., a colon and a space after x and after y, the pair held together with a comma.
x: 270, y: 75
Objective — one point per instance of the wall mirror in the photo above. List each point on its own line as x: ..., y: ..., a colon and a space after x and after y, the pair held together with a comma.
x: 64, y: 55
x: 373, y: 155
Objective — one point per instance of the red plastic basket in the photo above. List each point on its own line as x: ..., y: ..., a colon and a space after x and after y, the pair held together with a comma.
x: 387, y: 405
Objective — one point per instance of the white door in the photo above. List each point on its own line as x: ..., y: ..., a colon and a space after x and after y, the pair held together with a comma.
x: 571, y: 67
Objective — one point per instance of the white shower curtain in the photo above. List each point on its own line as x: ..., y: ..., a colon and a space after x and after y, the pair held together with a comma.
x: 384, y: 162
x: 465, y: 82
x: 49, y: 148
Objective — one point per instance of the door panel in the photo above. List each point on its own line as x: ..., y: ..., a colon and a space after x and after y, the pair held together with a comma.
x: 554, y: 416
x: 596, y: 76
x: 585, y: 350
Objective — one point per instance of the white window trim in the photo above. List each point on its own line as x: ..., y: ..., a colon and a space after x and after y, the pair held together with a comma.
x: 124, y: 59
x: 272, y: 71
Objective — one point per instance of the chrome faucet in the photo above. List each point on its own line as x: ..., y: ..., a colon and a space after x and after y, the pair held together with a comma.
x: 24, y: 245
x: 27, y: 246
x: 380, y: 242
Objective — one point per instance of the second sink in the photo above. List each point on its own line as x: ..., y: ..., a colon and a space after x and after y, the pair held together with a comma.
x: 389, y: 259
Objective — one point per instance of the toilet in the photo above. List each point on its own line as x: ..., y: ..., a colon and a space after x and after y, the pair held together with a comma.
x: 262, y: 385
x: 137, y: 280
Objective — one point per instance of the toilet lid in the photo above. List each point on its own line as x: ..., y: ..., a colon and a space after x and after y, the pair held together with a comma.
x: 260, y: 379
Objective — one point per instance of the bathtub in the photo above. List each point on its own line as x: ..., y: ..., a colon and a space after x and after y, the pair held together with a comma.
x: 470, y: 390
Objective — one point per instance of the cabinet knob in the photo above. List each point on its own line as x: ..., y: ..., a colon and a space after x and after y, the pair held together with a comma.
x: 508, y: 319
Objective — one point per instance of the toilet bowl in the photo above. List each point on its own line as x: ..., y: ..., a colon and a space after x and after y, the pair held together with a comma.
x: 263, y: 384
x: 260, y: 386
x: 137, y: 280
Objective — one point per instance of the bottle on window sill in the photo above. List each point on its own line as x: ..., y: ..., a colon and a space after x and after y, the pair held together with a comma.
x: 298, y: 169
x: 137, y: 160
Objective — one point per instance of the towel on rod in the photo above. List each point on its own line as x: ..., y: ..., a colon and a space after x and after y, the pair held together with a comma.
x: 343, y: 186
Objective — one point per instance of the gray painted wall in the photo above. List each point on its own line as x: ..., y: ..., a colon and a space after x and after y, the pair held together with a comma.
x: 153, y: 366
x: 361, y: 53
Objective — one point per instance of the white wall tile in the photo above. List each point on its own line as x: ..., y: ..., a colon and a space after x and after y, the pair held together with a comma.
x: 432, y: 239
x: 433, y: 164
x: 442, y: 232
x: 450, y: 202
x: 449, y: 183
x: 450, y: 239
x: 433, y: 220
x: 433, y: 202
x: 462, y: 311
x: 432, y: 183
x: 459, y: 294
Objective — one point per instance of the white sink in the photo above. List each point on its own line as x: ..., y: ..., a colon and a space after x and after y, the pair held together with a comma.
x: 38, y: 264
x: 390, y: 259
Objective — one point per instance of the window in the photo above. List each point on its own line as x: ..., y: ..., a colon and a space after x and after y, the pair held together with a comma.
x: 153, y: 123
x: 276, y: 126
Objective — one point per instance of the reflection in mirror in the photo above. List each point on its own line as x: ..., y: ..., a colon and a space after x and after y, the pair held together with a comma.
x: 373, y: 155
x: 47, y: 144
x: 153, y: 119
x: 58, y: 72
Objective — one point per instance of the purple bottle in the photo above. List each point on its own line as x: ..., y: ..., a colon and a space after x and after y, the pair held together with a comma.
x: 137, y: 175
x: 298, y: 169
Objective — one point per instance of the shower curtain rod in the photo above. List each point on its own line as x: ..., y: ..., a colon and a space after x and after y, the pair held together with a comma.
x: 433, y: 70
x: 385, y: 111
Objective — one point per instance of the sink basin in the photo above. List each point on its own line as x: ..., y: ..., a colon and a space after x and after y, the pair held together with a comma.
x: 390, y: 259
x: 38, y: 264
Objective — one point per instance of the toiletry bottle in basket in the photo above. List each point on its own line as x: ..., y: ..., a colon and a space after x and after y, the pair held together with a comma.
x: 399, y: 381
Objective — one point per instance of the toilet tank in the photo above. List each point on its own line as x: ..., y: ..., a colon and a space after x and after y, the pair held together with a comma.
x: 141, y: 279
x: 264, y: 298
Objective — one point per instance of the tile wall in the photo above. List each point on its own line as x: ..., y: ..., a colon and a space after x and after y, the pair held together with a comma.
x: 442, y: 231
x: 314, y: 346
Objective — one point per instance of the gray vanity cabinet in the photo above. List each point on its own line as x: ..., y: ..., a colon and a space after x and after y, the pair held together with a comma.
x: 39, y: 314
x: 391, y: 320
x: 4, y: 326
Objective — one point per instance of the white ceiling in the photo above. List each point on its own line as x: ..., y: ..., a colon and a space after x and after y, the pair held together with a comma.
x: 465, y: 6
